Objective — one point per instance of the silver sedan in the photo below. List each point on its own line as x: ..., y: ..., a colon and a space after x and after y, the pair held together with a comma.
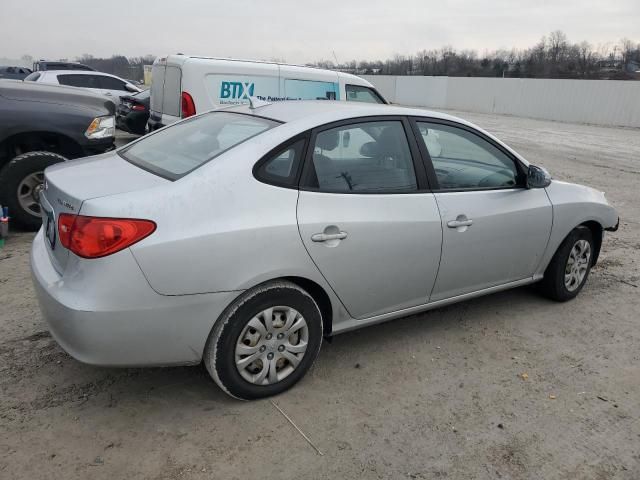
x: 242, y: 237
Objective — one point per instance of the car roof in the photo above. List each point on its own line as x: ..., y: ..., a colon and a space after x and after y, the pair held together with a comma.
x: 329, y: 110
x: 181, y: 59
x: 78, y: 72
x: 307, y: 114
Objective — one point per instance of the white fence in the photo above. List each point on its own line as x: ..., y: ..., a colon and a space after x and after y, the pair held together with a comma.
x: 598, y: 102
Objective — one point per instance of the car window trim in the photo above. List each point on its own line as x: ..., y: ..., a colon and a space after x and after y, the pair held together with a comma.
x: 422, y: 182
x: 279, y: 149
x: 383, y: 101
x: 431, y: 172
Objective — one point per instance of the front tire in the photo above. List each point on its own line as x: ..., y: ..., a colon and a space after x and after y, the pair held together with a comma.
x: 265, y: 341
x: 20, y: 184
x: 570, y: 266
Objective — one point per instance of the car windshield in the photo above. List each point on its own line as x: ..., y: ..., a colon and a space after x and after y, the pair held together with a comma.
x: 32, y: 77
x: 180, y: 149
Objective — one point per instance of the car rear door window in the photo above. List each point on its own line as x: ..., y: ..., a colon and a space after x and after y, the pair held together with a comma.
x: 463, y: 160
x: 75, y: 80
x: 358, y: 93
x: 368, y: 157
x: 171, y: 91
x: 181, y: 148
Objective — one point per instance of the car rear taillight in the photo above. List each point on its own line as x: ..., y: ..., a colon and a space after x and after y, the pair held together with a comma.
x: 188, y: 107
x: 137, y: 107
x: 95, y: 237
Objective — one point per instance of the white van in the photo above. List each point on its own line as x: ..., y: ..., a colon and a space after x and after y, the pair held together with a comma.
x: 183, y: 85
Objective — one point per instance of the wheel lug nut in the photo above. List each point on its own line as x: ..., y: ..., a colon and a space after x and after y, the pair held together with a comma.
x: 280, y: 336
x: 270, y: 356
x: 263, y: 348
x: 269, y: 336
x: 281, y: 348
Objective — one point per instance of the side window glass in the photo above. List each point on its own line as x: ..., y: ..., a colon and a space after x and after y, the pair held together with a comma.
x: 84, y: 81
x: 357, y: 93
x: 110, y: 83
x: 462, y: 159
x: 282, y: 168
x: 368, y: 157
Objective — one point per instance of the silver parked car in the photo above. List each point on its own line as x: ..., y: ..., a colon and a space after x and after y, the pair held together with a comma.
x: 241, y: 237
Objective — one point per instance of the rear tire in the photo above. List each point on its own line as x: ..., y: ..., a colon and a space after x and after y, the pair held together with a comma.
x: 570, y: 266
x: 265, y: 341
x: 20, y: 185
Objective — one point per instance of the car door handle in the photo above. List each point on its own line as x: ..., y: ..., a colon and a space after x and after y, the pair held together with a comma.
x: 108, y: 94
x: 459, y: 223
x: 325, y: 237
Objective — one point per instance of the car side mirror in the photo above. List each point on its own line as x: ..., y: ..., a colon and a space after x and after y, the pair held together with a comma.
x: 537, y: 177
x: 130, y: 88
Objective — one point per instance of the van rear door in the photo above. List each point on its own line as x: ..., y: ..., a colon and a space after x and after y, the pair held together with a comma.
x: 165, y: 95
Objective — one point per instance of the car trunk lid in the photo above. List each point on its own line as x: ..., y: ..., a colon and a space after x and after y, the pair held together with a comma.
x: 68, y: 185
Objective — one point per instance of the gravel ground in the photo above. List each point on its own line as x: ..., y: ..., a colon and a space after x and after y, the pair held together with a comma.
x: 437, y: 395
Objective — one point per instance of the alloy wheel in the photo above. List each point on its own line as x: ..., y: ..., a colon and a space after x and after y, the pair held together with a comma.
x: 29, y: 193
x: 577, y: 265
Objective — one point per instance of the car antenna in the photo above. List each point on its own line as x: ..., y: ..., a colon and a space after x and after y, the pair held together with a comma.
x: 255, y: 102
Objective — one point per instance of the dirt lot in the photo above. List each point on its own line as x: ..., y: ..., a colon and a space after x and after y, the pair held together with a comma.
x: 437, y: 395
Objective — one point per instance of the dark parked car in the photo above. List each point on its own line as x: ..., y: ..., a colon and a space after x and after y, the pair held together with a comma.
x: 41, y: 125
x: 57, y: 65
x: 14, y: 73
x: 133, y: 112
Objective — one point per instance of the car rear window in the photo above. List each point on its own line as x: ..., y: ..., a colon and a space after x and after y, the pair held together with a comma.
x: 175, y: 151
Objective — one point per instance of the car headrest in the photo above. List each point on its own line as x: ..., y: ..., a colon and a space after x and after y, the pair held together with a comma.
x: 389, y: 143
x: 327, y: 140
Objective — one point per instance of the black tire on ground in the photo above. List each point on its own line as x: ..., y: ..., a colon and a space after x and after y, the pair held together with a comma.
x: 553, y: 284
x: 12, y: 174
x: 219, y: 355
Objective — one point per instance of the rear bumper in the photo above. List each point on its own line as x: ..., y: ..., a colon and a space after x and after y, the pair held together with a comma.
x: 114, y: 318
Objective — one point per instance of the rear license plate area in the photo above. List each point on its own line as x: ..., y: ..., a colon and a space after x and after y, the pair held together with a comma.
x: 49, y: 221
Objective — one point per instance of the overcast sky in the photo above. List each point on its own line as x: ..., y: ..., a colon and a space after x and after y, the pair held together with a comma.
x: 301, y: 31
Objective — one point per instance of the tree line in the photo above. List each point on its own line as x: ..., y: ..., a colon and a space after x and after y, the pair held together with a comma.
x: 554, y: 56
x: 131, y: 68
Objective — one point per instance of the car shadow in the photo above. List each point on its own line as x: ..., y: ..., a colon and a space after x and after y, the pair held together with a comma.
x: 84, y: 386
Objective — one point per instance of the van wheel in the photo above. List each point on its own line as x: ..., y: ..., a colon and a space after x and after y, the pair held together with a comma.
x: 570, y: 266
x: 20, y: 184
x: 265, y: 342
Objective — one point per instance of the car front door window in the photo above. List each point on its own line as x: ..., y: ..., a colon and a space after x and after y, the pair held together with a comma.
x: 463, y: 160
x: 358, y: 93
x: 368, y: 157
